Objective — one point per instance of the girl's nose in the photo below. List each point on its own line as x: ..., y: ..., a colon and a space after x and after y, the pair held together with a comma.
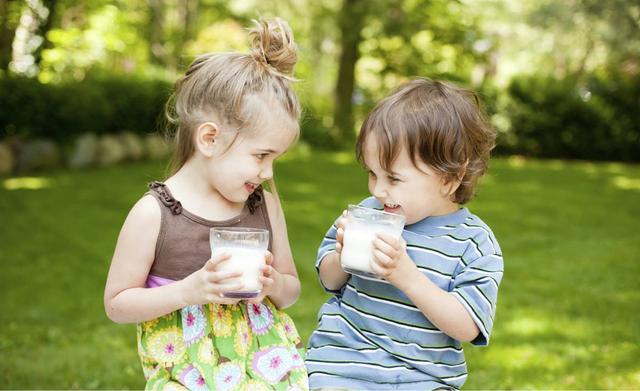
x: 266, y: 173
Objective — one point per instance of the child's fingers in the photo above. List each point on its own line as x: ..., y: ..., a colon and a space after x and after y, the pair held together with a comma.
x: 379, y: 270
x: 385, y: 247
x: 217, y: 277
x: 266, y: 270
x: 220, y: 289
x: 215, y: 260
x: 266, y: 281
x: 389, y: 239
x: 382, y: 258
x: 268, y: 257
x: 338, y: 248
x: 340, y: 235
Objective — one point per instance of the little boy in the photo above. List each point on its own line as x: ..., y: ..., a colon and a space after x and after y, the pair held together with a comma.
x: 425, y: 146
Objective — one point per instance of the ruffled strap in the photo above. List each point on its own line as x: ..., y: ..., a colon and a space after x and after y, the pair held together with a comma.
x: 165, y: 197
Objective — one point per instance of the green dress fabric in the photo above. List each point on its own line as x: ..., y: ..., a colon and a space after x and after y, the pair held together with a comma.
x: 222, y: 347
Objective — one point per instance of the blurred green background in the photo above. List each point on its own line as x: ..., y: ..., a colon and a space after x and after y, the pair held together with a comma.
x: 82, y: 87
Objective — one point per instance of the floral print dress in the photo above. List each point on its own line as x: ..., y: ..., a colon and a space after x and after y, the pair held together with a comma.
x: 222, y: 347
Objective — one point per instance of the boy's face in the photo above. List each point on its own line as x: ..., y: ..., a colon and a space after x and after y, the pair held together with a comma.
x: 415, y: 192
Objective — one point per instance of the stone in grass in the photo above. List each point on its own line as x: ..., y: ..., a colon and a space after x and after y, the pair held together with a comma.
x: 84, y: 151
x: 156, y: 146
x: 40, y: 154
x: 133, y: 146
x: 110, y: 150
x: 7, y: 161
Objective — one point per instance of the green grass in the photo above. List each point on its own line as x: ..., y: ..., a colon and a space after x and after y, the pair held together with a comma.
x: 568, y: 312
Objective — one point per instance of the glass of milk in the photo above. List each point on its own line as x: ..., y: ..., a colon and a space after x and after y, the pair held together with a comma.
x: 359, y: 233
x: 247, y: 247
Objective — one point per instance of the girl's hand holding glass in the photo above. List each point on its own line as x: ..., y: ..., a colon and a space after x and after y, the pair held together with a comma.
x: 267, y: 279
x: 207, y: 285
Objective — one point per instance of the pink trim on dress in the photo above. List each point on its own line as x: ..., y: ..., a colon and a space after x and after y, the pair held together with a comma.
x: 155, y: 281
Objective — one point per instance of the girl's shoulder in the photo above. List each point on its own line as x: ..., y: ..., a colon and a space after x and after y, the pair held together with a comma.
x: 145, y: 211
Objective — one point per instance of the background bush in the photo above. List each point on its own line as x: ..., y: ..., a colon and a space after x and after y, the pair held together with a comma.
x: 576, y: 118
x: 596, y: 118
x: 107, y: 104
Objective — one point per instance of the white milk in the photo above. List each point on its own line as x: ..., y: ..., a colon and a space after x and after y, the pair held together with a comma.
x: 357, y: 253
x: 246, y: 260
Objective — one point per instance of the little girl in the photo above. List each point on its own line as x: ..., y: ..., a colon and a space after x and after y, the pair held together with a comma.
x: 234, y: 114
x: 424, y: 147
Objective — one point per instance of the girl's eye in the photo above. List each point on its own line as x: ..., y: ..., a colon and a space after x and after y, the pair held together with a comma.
x: 261, y: 156
x: 371, y: 174
x: 393, y: 179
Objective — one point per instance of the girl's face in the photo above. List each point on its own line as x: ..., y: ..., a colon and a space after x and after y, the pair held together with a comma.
x: 415, y: 192
x: 248, y: 162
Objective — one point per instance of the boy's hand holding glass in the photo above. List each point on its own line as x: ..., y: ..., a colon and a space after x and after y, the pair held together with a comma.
x: 340, y: 224
x: 391, y: 261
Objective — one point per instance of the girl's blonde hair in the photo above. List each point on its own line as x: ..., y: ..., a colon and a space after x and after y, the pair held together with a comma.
x: 221, y: 85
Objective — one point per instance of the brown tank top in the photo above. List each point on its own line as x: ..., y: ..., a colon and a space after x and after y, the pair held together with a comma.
x: 183, y: 241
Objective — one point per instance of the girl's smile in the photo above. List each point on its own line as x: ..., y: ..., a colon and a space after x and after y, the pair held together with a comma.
x: 251, y: 187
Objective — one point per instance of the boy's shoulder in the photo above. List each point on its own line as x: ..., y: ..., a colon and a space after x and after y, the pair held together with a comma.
x: 475, y: 229
x: 451, y: 231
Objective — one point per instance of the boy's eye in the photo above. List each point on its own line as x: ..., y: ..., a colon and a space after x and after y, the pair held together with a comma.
x: 261, y: 156
x: 393, y: 179
x: 371, y: 174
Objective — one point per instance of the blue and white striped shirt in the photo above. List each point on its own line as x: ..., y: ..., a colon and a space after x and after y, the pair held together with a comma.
x: 371, y: 336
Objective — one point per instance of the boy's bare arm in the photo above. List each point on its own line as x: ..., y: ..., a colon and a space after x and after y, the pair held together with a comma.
x: 331, y: 273
x: 442, y: 308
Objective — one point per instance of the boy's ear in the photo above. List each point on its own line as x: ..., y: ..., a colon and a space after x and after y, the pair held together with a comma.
x: 450, y: 185
x: 206, y: 136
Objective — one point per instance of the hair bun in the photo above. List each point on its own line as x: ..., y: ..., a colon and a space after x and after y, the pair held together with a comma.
x: 272, y: 43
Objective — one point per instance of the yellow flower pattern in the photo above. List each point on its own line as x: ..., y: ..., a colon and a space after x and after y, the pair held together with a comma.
x: 242, y: 341
x: 166, y: 346
x: 221, y: 320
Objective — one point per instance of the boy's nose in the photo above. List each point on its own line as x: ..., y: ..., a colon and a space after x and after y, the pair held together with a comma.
x: 379, y: 191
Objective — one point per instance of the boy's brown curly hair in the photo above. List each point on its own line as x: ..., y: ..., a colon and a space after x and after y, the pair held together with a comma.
x: 439, y: 123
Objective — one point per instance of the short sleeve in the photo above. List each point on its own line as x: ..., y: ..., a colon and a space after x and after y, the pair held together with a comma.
x: 476, y: 286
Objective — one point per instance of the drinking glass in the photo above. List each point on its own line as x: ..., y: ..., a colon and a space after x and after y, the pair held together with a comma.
x: 359, y: 233
x: 247, y: 247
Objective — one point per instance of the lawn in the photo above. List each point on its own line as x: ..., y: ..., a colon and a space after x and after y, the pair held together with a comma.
x: 568, y: 312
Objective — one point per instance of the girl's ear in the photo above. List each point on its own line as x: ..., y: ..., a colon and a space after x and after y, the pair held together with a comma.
x: 206, y: 136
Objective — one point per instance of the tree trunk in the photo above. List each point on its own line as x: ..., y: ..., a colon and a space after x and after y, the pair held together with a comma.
x: 351, y: 22
x: 157, y: 53
x: 43, y: 29
x: 7, y: 33
x: 188, y: 14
